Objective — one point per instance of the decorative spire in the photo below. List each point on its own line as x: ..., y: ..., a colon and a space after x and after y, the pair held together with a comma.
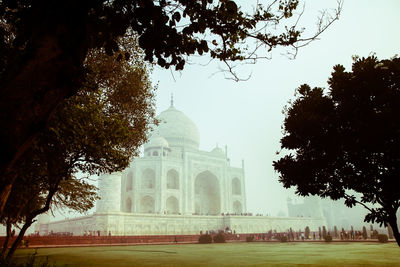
x: 172, y: 99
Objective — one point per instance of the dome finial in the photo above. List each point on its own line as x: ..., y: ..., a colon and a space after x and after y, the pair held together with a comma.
x: 172, y: 99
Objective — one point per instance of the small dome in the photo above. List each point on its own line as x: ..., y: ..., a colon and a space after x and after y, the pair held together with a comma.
x: 156, y: 141
x: 218, y: 151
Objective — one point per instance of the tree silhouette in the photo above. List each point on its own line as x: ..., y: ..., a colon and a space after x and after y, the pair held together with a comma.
x: 346, y: 139
x: 98, y: 130
x: 307, y: 232
x: 364, y: 233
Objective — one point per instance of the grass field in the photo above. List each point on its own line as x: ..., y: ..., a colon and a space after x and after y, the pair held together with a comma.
x: 229, y: 254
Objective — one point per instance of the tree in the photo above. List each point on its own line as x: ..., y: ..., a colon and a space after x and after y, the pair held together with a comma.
x: 364, y: 233
x: 291, y: 235
x: 43, y: 193
x: 345, y: 140
x: 307, y: 232
x: 98, y: 130
x: 324, y: 232
x: 43, y: 45
x: 390, y: 232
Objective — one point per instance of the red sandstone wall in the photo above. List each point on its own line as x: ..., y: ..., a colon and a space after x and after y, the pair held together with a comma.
x: 93, y: 240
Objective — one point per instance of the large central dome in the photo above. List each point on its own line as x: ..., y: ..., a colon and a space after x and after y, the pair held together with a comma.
x: 177, y: 129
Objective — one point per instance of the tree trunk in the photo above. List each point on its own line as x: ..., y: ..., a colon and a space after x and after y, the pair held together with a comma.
x: 4, y: 193
x: 29, y: 220
x: 5, y: 244
x: 20, y: 236
x: 6, y: 190
x: 50, y: 72
x: 393, y: 223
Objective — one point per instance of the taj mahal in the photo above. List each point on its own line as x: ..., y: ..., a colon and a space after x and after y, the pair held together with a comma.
x: 174, y: 177
x: 175, y: 188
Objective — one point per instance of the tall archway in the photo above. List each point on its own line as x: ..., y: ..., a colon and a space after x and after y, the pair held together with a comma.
x: 237, y: 207
x: 172, y: 179
x: 148, y: 179
x: 207, y: 194
x: 172, y: 205
x: 236, y: 188
x: 128, y: 205
x: 147, y: 205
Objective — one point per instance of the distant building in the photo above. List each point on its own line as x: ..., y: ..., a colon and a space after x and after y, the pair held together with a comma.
x: 335, y: 212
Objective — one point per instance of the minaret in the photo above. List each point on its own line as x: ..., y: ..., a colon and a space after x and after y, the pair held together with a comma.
x: 109, y: 192
x: 244, y: 188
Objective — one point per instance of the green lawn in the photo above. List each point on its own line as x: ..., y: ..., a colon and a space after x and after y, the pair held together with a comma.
x: 230, y: 254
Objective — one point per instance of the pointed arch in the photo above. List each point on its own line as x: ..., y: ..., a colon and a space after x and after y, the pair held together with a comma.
x: 236, y: 188
x: 172, y: 179
x: 207, y: 194
x: 128, y: 205
x: 147, y: 205
x: 148, y: 179
x: 237, y: 207
x: 129, y: 181
x: 172, y: 205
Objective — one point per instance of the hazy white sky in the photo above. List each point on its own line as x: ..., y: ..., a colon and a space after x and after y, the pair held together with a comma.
x: 247, y: 116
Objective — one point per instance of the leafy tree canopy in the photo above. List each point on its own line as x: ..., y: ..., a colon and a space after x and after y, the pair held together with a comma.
x: 346, y: 139
x: 98, y: 130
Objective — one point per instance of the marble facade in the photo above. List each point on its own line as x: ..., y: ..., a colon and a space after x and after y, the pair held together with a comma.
x: 120, y: 223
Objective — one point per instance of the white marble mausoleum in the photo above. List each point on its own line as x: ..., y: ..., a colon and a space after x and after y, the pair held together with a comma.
x: 176, y: 188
